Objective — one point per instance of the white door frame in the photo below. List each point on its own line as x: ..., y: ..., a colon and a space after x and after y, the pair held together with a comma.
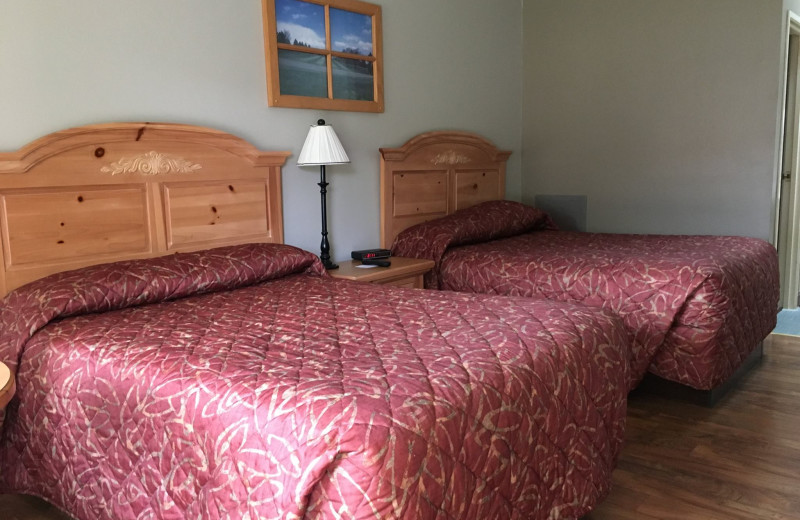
x: 791, y: 277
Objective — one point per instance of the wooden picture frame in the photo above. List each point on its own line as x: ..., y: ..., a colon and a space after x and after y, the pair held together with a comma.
x: 324, y: 54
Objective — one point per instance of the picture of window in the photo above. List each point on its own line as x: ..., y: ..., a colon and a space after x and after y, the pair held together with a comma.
x: 324, y: 54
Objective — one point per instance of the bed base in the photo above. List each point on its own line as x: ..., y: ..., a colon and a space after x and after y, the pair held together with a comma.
x: 652, y: 384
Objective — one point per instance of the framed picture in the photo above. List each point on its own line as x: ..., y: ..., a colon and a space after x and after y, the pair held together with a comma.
x: 324, y: 54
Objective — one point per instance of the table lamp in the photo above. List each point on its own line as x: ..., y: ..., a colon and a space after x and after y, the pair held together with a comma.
x: 322, y: 147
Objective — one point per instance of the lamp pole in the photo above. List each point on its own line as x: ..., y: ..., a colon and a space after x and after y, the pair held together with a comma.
x: 324, y: 246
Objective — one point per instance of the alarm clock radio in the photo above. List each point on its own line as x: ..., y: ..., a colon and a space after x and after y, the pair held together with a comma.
x: 370, y: 254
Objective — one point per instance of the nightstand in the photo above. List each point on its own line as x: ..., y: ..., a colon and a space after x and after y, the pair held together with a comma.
x: 404, y: 272
x: 7, y: 386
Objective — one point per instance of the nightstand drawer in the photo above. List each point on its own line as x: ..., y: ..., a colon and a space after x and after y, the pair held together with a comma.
x: 409, y: 282
x: 404, y: 272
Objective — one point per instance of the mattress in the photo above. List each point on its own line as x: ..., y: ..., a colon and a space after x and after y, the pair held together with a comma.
x: 694, y: 307
x: 244, y: 382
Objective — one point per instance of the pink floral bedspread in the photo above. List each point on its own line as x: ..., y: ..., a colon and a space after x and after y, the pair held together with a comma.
x: 694, y: 306
x: 245, y: 383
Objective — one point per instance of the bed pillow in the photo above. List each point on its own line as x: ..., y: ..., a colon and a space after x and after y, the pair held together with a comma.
x: 118, y: 285
x: 480, y: 223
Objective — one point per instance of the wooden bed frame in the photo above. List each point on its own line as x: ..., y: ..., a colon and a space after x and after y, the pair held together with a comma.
x: 435, y: 174
x: 120, y: 191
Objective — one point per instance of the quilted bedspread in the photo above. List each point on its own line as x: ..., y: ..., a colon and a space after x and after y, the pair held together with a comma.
x: 244, y: 382
x: 694, y: 306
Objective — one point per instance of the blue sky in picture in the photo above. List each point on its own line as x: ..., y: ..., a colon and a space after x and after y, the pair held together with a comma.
x: 351, y: 31
x: 305, y: 22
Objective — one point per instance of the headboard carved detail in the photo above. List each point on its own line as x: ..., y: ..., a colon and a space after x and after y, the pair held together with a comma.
x: 450, y: 157
x: 151, y: 163
x: 435, y: 174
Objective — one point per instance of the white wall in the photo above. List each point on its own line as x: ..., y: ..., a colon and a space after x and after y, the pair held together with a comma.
x: 662, y: 112
x: 449, y: 64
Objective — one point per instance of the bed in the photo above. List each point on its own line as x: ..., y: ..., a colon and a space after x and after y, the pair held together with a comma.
x: 173, y: 359
x: 696, y: 308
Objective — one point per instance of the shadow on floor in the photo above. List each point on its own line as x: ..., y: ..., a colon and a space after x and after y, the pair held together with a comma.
x: 24, y: 507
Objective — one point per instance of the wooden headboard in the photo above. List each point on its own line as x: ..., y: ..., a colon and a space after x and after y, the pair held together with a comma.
x: 121, y: 191
x: 435, y: 174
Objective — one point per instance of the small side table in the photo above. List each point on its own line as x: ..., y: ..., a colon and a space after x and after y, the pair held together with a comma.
x: 404, y: 272
x: 7, y: 385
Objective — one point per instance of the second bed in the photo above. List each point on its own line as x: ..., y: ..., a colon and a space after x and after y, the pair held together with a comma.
x: 696, y: 307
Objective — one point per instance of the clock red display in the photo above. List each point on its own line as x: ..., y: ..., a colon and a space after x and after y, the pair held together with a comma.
x: 370, y: 254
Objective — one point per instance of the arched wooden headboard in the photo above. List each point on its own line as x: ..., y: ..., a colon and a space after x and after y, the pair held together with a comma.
x: 120, y: 191
x: 435, y: 174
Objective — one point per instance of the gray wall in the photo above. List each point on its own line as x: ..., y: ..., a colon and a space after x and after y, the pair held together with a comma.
x: 662, y: 112
x: 449, y: 64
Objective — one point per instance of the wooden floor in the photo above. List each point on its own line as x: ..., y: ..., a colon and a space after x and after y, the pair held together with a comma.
x: 20, y: 507
x: 737, y: 461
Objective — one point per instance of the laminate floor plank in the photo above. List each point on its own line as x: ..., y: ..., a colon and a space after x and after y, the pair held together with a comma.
x: 24, y: 507
x: 737, y: 460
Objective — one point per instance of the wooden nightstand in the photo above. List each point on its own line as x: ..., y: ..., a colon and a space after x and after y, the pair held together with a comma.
x: 7, y: 386
x: 404, y: 272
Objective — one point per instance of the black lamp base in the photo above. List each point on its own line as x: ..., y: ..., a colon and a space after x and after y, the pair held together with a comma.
x: 324, y: 246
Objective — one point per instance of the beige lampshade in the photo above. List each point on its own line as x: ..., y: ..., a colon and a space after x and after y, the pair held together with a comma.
x: 322, y: 146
